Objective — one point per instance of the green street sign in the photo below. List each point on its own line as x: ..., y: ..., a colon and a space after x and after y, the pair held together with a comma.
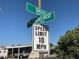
x: 44, y: 16
x: 35, y: 10
x: 30, y: 8
x: 30, y: 23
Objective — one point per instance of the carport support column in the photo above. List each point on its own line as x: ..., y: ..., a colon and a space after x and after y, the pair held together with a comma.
x: 12, y: 53
x: 40, y: 55
x: 18, y: 52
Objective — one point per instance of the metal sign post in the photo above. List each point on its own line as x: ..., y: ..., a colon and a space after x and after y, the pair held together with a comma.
x: 40, y: 55
x: 39, y: 4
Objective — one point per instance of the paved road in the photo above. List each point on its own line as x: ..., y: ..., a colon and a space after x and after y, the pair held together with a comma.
x: 50, y: 58
x: 43, y: 58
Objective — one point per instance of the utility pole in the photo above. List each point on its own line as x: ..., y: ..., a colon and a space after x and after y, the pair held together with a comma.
x: 39, y: 4
x: 40, y: 53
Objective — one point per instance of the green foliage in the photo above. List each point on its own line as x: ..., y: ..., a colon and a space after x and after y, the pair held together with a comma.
x: 51, y: 45
x: 68, y: 45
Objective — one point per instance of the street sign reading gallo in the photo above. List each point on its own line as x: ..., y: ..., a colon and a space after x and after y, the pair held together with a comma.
x: 40, y: 38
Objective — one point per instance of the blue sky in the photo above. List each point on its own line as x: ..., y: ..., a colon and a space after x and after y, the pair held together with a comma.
x: 14, y: 18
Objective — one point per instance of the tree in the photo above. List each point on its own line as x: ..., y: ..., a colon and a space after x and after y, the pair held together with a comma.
x: 51, y: 48
x: 68, y: 45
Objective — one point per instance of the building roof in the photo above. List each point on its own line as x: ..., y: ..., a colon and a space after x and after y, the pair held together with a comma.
x: 16, y: 46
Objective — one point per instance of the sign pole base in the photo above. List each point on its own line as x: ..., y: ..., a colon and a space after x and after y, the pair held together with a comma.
x: 40, y: 55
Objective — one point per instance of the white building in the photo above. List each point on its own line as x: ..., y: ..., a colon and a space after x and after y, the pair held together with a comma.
x: 3, y: 52
x: 16, y: 51
x: 19, y: 52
